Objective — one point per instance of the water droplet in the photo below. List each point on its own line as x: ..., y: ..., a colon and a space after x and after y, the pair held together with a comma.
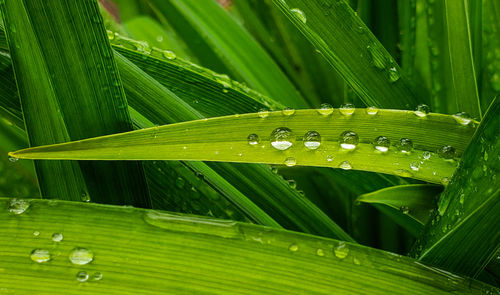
x: 377, y: 56
x: 18, y: 206
x: 170, y: 55
x: 299, y: 14
x: 345, y: 165
x: 253, y: 139
x: 36, y: 233
x: 292, y: 183
x: 312, y: 140
x: 393, y: 74
x: 290, y: 162
x: 329, y: 158
x: 356, y: 261
x: 320, y: 252
x: 462, y: 118
x: 349, y: 140
x: 97, y: 276
x: 282, y: 138
x: 57, y: 237
x: 84, y: 196
x: 403, y: 173
x: 180, y: 182
x: 263, y: 113
x: 288, y: 111
x: 81, y: 256
x: 347, y: 109
x: 371, y: 110
x: 293, y: 247
x: 426, y: 155
x: 82, y: 276
x: 404, y: 209
x: 415, y: 166
x: 405, y: 145
x: 446, y: 152
x: 422, y: 110
x: 382, y: 144
x: 445, y: 181
x: 341, y: 251
x: 40, y: 255
x: 13, y: 159
x: 325, y: 109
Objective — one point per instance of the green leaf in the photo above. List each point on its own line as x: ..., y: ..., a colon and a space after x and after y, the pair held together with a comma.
x: 463, y: 235
x: 490, y: 73
x: 190, y: 254
x: 225, y: 139
x: 41, y: 49
x: 349, y: 46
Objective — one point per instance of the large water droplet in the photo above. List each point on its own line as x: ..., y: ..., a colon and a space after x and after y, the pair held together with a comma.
x: 341, y: 251
x: 40, y: 255
x: 325, y: 109
x: 282, y: 138
x: 288, y: 111
x: 263, y: 113
x: 299, y: 14
x: 422, y: 110
x: 446, y: 152
x: 81, y: 256
x: 82, y: 276
x: 405, y: 145
x: 382, y: 144
x: 345, y: 165
x: 347, y: 109
x: 462, y: 118
x: 349, y: 140
x: 57, y: 237
x: 253, y: 139
x: 290, y: 162
x: 18, y: 206
x: 312, y: 140
x: 371, y: 110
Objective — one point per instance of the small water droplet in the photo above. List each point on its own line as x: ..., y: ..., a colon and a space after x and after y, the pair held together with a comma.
x: 462, y: 118
x: 426, y: 155
x: 253, y: 139
x: 405, y: 145
x: 282, y: 138
x: 40, y: 255
x: 341, y: 251
x: 293, y: 247
x: 170, y: 55
x: 393, y: 74
x: 288, y: 111
x: 18, y: 206
x: 329, y: 158
x: 404, y: 209
x: 403, y: 173
x: 57, y: 237
x: 325, y: 109
x: 377, y: 56
x: 347, y: 109
x: 290, y: 162
x: 36, y: 233
x: 263, y: 113
x: 415, y: 166
x: 84, y: 196
x: 422, y: 110
x: 382, y: 144
x: 348, y: 140
x: 320, y: 252
x: 97, y: 276
x: 81, y: 256
x: 13, y: 159
x: 82, y: 276
x: 446, y: 152
x: 312, y: 140
x: 445, y: 181
x: 292, y: 183
x: 299, y: 14
x: 345, y: 165
x: 372, y: 110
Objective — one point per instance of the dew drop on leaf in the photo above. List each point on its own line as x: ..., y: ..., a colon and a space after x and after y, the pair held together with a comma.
x: 372, y: 110
x: 170, y: 55
x: 349, y: 140
x: 446, y: 152
x: 312, y: 140
x: 341, y: 250
x: 263, y: 113
x: 405, y: 145
x: 320, y: 252
x: 288, y: 111
x: 18, y: 206
x: 299, y: 14
x: 290, y: 162
x: 345, y: 165
x: 282, y: 138
x: 422, y: 110
x: 325, y: 109
x: 57, y: 237
x: 293, y: 247
x: 82, y: 276
x: 382, y: 144
x: 253, y: 139
x: 462, y: 118
x: 347, y: 109
x: 81, y: 256
x: 40, y: 255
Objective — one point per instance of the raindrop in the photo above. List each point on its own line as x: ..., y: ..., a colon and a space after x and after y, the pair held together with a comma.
x: 253, y: 139
x: 81, y: 256
x: 312, y: 140
x: 404, y: 209
x: 18, y: 206
x: 84, y: 196
x: 290, y: 162
x: 82, y: 276
x: 345, y: 165
x: 446, y: 152
x: 405, y: 145
x: 13, y: 159
x: 393, y: 74
x: 422, y: 110
x: 329, y: 158
x: 347, y: 109
x: 36, y: 233
x: 263, y: 113
x: 377, y: 56
x: 320, y: 252
x: 282, y: 138
x: 97, y: 276
x: 341, y: 251
x: 426, y: 155
x: 40, y: 255
x: 57, y: 237
x: 288, y: 111
x: 349, y: 140
x: 293, y: 247
x: 292, y: 183
x: 382, y: 144
x: 372, y: 110
x: 299, y: 14
x: 462, y: 118
x: 325, y: 109
x: 170, y: 55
